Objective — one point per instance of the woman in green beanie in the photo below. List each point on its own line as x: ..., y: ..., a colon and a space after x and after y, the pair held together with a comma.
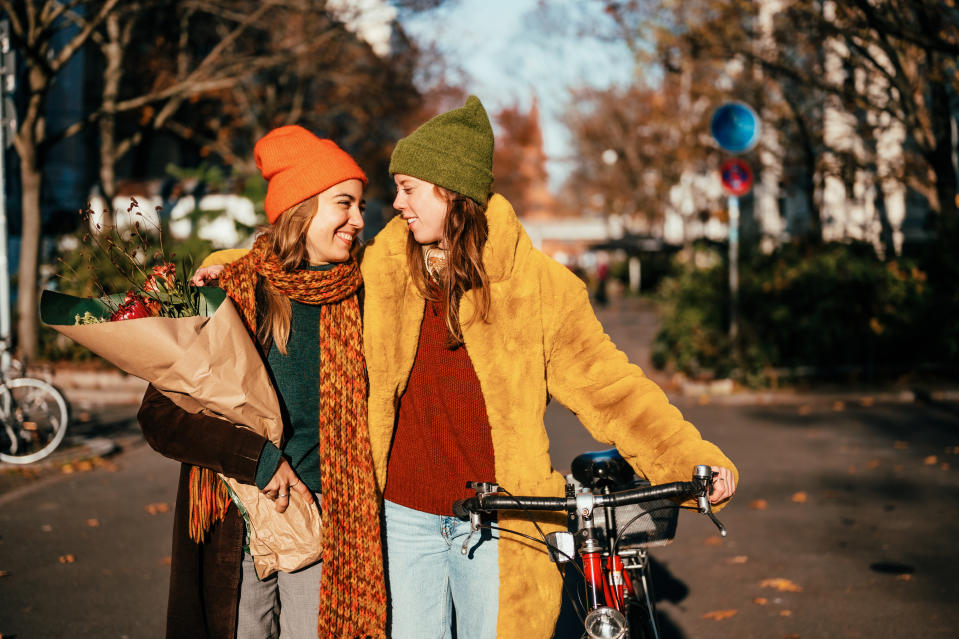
x: 468, y: 330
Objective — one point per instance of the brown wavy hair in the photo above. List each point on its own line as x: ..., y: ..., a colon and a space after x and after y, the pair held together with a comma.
x: 465, y: 232
x: 287, y: 242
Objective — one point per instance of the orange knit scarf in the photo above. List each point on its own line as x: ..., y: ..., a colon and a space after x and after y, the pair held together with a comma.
x: 352, y: 588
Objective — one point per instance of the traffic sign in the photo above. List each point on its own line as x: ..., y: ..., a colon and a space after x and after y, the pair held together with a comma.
x: 736, y: 176
x: 735, y: 127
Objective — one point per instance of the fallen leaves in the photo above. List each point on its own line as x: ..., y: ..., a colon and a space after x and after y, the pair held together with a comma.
x: 159, y: 507
x: 719, y: 615
x: 4, y: 573
x: 713, y: 541
x: 86, y: 465
x: 906, y: 577
x: 839, y: 406
x: 872, y: 464
x: 738, y: 559
x: 93, y: 523
x: 67, y: 559
x: 759, y: 504
x: 760, y: 601
x: 931, y: 460
x: 785, y: 613
x: 804, y: 410
x: 780, y: 584
x: 166, y: 561
x: 901, y: 445
x: 800, y: 498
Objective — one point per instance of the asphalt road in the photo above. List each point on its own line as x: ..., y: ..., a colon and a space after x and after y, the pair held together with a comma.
x: 844, y: 526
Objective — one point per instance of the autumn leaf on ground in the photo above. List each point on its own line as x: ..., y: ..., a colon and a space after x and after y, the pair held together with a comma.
x: 719, y: 615
x: 738, y: 559
x: 67, y: 469
x: 906, y: 577
x: 67, y: 559
x: 703, y: 400
x: 901, y: 445
x: 93, y: 523
x: 839, y: 406
x: 866, y: 402
x: 159, y: 507
x: 166, y: 561
x: 760, y: 601
x: 84, y: 466
x: 713, y: 541
x: 804, y: 410
x: 758, y: 504
x: 800, y: 497
x: 872, y: 464
x: 4, y: 573
x: 931, y: 460
x: 944, y: 466
x: 780, y: 584
x: 785, y: 613
x: 852, y: 470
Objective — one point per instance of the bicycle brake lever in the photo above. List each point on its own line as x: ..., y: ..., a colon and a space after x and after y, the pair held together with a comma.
x: 719, y: 524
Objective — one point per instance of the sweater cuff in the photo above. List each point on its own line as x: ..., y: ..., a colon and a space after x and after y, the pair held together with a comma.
x: 266, y: 466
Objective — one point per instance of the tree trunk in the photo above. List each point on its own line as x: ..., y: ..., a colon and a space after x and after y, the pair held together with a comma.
x: 940, y: 159
x: 113, y: 54
x: 27, y: 281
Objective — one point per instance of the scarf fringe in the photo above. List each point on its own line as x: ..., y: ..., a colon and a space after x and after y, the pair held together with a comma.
x: 209, y: 501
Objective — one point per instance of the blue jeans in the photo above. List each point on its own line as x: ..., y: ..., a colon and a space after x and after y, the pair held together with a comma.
x: 429, y: 576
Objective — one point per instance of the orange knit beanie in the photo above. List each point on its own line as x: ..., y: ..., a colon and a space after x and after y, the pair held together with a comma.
x: 297, y: 165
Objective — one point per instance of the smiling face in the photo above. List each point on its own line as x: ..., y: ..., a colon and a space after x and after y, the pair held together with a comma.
x: 422, y: 207
x: 338, y: 221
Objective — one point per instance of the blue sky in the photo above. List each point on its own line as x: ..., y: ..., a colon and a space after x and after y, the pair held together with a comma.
x: 510, y: 50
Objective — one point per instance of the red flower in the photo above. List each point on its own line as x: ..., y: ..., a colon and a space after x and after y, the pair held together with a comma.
x: 133, y: 307
x: 165, y: 273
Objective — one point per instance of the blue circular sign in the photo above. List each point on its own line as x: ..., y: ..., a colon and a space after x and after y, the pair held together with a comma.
x: 735, y: 126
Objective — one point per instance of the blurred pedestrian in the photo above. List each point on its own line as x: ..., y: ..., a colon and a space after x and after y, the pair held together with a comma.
x: 468, y: 331
x: 297, y: 289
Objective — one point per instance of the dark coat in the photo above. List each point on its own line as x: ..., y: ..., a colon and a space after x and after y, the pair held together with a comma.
x: 204, y: 578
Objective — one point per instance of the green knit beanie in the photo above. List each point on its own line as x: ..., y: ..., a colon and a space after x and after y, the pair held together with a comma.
x: 453, y: 150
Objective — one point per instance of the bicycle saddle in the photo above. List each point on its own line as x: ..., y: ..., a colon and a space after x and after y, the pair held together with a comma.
x: 601, y: 469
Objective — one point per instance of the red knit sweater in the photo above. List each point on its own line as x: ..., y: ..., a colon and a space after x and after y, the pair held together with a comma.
x: 442, y: 437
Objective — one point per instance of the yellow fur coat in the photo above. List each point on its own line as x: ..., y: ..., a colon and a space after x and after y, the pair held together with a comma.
x: 542, y: 339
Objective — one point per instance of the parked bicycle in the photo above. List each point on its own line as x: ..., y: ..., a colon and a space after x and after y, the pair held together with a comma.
x: 33, y: 414
x: 614, y: 518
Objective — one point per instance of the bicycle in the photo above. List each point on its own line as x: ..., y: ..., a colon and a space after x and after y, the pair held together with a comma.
x: 614, y: 519
x: 33, y: 414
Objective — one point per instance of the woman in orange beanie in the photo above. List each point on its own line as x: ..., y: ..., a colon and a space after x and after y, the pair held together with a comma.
x: 297, y: 290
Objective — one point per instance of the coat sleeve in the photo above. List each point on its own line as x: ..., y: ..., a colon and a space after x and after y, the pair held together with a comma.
x: 199, y: 440
x: 613, y: 398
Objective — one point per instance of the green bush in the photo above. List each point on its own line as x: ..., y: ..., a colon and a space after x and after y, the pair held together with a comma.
x: 832, y: 307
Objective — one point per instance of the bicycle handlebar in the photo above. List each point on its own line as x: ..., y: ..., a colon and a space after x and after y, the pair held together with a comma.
x: 488, y: 503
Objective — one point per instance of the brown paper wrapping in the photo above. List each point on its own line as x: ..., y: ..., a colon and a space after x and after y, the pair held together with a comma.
x: 210, y: 365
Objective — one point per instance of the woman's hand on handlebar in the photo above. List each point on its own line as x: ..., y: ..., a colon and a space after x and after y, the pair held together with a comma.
x: 206, y: 274
x: 283, y: 482
x: 724, y: 485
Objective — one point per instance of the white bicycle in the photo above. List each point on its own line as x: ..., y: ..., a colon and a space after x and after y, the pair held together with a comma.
x: 33, y: 414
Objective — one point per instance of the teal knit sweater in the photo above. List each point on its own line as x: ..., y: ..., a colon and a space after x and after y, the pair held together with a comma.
x: 297, y: 377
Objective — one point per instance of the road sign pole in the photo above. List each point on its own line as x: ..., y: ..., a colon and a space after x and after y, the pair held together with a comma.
x: 733, y: 266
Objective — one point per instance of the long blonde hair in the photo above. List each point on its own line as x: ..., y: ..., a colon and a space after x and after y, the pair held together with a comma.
x: 465, y: 232
x: 287, y: 241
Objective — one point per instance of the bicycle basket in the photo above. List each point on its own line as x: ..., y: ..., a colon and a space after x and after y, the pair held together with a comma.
x: 655, y: 524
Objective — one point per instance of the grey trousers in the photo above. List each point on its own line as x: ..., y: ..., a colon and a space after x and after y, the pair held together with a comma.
x: 285, y: 604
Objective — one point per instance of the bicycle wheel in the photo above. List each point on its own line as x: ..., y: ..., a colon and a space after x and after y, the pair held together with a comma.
x: 34, y: 419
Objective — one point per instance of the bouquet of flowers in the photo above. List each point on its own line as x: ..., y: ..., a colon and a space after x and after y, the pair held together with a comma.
x: 193, y: 346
